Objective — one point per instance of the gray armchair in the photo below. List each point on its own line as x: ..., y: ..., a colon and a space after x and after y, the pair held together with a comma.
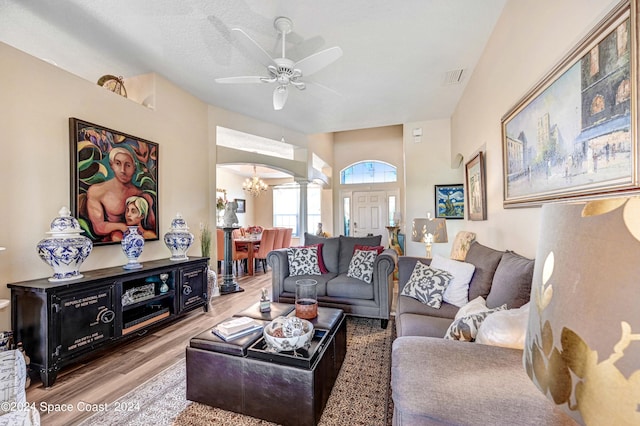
x: 335, y: 289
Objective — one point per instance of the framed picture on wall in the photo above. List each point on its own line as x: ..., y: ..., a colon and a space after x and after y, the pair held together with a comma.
x: 574, y: 134
x: 449, y: 201
x: 476, y: 190
x: 241, y: 205
x: 114, y: 182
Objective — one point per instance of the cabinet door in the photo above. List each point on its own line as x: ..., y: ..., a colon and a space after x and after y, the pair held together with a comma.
x: 85, y: 319
x: 193, y: 287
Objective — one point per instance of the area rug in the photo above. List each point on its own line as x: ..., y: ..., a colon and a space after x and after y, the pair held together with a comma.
x: 360, y: 396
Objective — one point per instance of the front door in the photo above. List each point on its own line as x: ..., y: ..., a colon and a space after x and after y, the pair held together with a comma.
x: 369, y: 211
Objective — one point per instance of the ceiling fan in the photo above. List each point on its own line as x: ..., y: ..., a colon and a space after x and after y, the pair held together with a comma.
x: 282, y: 71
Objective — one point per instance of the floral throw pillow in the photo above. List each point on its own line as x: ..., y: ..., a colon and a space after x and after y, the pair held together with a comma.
x: 303, y: 261
x: 361, y: 265
x: 427, y: 285
x: 466, y: 328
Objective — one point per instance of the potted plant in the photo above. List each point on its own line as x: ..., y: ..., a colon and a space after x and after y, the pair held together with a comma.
x: 212, y: 276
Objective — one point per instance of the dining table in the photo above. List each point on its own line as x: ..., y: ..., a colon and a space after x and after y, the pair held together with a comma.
x: 250, y: 242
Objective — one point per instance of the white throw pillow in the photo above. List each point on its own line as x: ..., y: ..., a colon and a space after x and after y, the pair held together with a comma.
x: 479, y: 304
x: 505, y: 328
x: 457, y: 292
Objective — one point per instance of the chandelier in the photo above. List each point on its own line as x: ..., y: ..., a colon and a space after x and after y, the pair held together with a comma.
x: 254, y: 186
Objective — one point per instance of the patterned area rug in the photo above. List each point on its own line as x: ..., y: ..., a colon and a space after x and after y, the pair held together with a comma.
x: 360, y: 396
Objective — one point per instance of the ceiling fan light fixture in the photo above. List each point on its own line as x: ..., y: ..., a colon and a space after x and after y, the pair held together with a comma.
x: 283, y: 70
x: 254, y: 186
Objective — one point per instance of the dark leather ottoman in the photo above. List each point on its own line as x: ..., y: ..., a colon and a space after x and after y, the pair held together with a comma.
x: 229, y: 376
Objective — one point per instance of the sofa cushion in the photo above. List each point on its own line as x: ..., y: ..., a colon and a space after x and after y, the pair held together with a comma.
x: 511, y: 282
x: 437, y: 381
x: 330, y: 249
x: 427, y: 285
x: 457, y: 292
x: 289, y: 284
x: 361, y: 265
x: 410, y: 305
x: 303, y: 260
x: 346, y: 287
x: 486, y: 261
x: 347, y: 246
x: 421, y: 325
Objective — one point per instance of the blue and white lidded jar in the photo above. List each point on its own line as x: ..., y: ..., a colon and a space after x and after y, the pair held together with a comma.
x: 65, y: 249
x: 178, y: 239
x: 132, y: 245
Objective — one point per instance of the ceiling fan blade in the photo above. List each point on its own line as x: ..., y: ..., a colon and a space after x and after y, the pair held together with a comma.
x: 280, y: 97
x: 313, y: 84
x: 240, y: 80
x: 317, y: 61
x: 251, y: 47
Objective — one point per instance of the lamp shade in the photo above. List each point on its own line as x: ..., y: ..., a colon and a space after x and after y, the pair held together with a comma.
x: 583, y: 339
x: 422, y: 227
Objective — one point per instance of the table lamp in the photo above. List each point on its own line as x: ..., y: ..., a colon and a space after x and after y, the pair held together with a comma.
x: 428, y: 231
x: 582, y: 348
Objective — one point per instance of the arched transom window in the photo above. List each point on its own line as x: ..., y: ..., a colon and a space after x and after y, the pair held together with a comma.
x: 369, y: 172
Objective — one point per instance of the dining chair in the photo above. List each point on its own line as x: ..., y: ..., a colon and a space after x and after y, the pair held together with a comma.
x: 236, y: 234
x: 286, y: 242
x: 279, y: 239
x: 266, y: 245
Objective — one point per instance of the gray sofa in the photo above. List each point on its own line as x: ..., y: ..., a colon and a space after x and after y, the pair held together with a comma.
x: 335, y: 288
x: 447, y: 382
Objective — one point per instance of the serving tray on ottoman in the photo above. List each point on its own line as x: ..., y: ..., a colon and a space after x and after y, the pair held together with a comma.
x: 271, y: 389
x: 300, y: 358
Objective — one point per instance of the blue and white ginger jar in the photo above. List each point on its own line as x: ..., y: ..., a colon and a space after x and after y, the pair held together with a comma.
x: 132, y: 244
x: 178, y: 239
x: 65, y: 249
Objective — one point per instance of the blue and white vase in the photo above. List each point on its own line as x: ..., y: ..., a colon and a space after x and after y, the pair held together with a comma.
x: 132, y: 245
x: 178, y: 239
x: 65, y: 249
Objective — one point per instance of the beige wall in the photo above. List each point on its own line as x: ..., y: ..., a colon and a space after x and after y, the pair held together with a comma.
x: 322, y: 146
x: 428, y: 163
x: 530, y: 38
x: 36, y: 103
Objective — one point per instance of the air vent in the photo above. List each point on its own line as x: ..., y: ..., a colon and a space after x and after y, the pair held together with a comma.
x: 453, y: 77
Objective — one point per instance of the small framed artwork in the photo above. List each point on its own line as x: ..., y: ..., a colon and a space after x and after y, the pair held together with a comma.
x: 476, y: 190
x: 450, y: 201
x: 241, y: 205
x: 114, y: 182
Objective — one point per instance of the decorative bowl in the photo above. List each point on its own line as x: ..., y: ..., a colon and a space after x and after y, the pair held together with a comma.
x: 288, y: 334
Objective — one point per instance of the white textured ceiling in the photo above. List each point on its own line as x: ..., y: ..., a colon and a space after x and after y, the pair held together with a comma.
x: 396, y: 53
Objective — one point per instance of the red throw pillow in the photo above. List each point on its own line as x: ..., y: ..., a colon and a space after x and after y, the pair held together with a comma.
x: 378, y: 249
x: 323, y: 269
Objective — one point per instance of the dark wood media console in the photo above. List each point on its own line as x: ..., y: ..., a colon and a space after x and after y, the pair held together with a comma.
x: 61, y: 322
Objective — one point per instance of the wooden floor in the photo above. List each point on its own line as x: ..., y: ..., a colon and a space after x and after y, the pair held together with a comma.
x: 114, y: 373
